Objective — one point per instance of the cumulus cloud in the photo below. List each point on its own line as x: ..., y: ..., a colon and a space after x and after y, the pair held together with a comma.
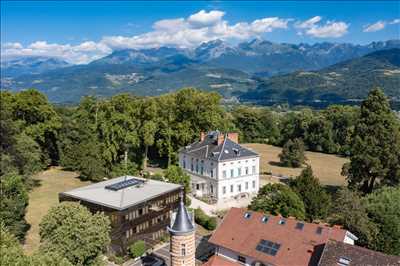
x: 187, y: 32
x: 377, y: 26
x: 313, y: 27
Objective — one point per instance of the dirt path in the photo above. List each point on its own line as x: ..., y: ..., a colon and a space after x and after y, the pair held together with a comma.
x: 43, y: 197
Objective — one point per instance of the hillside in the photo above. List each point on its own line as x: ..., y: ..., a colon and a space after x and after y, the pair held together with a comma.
x: 349, y: 80
x: 212, y: 66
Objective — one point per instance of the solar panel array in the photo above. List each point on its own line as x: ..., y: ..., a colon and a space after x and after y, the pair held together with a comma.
x: 124, y: 184
x: 268, y: 247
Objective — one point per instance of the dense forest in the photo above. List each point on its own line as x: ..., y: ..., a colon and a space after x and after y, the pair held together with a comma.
x: 93, y: 137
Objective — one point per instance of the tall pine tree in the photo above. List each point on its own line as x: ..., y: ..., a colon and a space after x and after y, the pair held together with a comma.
x: 375, y: 148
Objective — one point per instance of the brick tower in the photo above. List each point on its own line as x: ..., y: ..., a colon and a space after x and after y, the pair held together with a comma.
x: 182, y: 240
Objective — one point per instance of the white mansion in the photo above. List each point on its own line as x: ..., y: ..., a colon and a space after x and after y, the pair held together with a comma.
x: 219, y: 167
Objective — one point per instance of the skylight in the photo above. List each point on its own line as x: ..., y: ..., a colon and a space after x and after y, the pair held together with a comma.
x: 265, y: 219
x: 247, y: 215
x: 319, y: 230
x: 299, y: 226
x: 343, y: 261
x: 268, y: 247
x: 282, y: 221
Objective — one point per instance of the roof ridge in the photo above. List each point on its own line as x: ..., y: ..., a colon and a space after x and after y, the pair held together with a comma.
x: 223, y: 146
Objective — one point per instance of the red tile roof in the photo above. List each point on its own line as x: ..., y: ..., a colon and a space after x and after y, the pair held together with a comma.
x: 220, y: 261
x: 242, y: 235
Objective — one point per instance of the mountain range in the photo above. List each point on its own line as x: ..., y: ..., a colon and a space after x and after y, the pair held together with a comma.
x: 257, y: 70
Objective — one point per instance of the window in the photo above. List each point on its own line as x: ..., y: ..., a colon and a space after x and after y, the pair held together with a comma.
x: 197, y: 186
x: 232, y: 173
x: 299, y: 226
x: 246, y: 185
x: 254, y: 169
x: 191, y: 165
x: 254, y: 184
x: 239, y: 171
x: 223, y: 190
x: 241, y: 259
x: 343, y: 261
x: 224, y: 174
x: 264, y: 219
x: 212, y: 173
x: 201, y: 170
x: 184, y: 163
x: 282, y: 221
x: 183, y: 249
x: 247, y: 215
x: 231, y: 188
x: 140, y: 211
x: 319, y: 230
x: 239, y: 188
x: 268, y: 247
x: 246, y: 170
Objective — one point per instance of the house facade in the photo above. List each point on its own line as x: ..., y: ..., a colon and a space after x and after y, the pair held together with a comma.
x: 220, y: 168
x: 138, y: 209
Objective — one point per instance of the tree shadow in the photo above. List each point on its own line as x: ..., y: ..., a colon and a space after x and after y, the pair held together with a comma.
x: 279, y: 164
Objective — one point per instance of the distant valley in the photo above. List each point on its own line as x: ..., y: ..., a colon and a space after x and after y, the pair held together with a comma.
x: 256, y: 71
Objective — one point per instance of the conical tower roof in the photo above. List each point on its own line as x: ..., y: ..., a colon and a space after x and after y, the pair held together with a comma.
x: 183, y: 223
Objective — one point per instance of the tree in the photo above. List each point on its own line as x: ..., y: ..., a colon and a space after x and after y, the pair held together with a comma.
x: 175, y: 174
x: 293, y: 153
x: 278, y: 199
x: 14, y: 200
x: 316, y: 200
x: 10, y: 250
x: 384, y: 210
x: 350, y: 211
x: 375, y: 149
x: 11, y: 253
x: 70, y: 230
x: 137, y: 249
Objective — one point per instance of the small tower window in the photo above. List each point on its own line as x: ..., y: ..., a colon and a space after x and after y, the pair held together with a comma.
x: 183, y: 250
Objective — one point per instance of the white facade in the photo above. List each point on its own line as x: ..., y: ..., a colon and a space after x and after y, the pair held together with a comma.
x: 222, y: 180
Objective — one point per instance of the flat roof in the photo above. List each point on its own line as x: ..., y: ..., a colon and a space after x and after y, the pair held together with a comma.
x: 123, y: 198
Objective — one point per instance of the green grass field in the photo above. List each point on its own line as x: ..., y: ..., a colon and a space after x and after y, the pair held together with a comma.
x: 326, y: 167
x: 43, y: 196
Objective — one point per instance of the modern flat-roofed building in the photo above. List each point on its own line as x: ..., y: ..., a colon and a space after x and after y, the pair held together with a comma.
x: 139, y: 209
x: 219, y: 167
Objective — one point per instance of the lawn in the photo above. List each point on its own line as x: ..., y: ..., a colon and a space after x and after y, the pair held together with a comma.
x: 326, y: 167
x: 43, y: 197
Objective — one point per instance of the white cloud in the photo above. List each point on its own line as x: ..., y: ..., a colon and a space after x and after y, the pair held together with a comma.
x: 187, y: 32
x: 395, y: 21
x: 377, y: 26
x: 308, y: 23
x: 203, y: 18
x: 313, y: 27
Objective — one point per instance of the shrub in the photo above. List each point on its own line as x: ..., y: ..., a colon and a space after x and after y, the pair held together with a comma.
x: 137, y: 249
x: 209, y: 223
x: 293, y: 153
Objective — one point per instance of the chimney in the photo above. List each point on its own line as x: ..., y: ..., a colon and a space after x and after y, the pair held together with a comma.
x: 202, y: 135
x: 220, y: 138
x: 233, y: 136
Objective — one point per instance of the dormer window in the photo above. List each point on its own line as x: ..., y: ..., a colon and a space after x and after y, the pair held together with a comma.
x: 319, y: 230
x: 343, y: 261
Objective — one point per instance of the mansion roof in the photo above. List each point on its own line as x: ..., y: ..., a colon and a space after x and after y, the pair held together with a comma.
x: 211, y: 149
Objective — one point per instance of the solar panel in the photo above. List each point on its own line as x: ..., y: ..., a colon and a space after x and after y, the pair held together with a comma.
x: 124, y: 184
x: 268, y: 247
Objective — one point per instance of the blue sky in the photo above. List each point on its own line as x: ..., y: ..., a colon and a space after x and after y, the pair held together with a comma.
x: 83, y: 31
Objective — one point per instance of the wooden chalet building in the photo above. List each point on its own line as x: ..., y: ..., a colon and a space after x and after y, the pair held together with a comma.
x: 139, y: 209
